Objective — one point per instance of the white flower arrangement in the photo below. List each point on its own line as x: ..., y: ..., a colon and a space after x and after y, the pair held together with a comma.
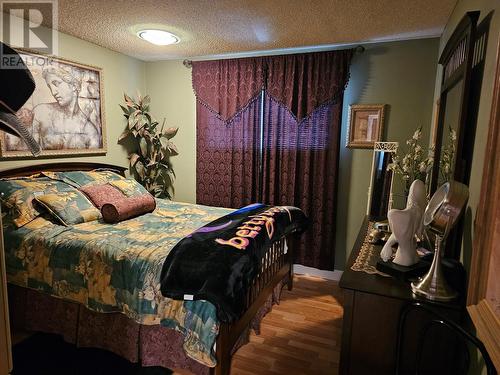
x: 413, y: 164
x: 448, y: 157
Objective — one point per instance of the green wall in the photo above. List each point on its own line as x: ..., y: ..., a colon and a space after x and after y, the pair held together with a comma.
x: 172, y: 98
x: 400, y: 74
x: 120, y: 74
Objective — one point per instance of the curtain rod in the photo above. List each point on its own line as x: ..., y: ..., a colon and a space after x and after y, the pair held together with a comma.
x: 189, y: 63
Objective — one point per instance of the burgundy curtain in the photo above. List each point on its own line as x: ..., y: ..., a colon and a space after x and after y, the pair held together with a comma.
x: 226, y: 87
x: 304, y: 82
x: 300, y: 169
x: 292, y: 159
x: 227, y: 157
x: 227, y: 130
x: 302, y: 117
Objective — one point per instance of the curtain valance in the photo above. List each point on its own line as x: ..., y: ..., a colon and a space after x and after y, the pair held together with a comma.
x: 300, y: 82
x: 226, y: 87
x: 306, y: 81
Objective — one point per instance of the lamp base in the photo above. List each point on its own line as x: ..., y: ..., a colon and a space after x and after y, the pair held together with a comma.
x: 434, y: 286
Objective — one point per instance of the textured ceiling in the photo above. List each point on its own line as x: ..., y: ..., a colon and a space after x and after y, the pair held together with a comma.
x: 215, y: 27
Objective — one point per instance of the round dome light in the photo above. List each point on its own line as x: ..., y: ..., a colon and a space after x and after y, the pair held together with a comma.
x: 158, y: 37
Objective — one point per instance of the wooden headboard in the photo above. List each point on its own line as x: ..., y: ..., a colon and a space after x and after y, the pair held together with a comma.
x: 59, y: 167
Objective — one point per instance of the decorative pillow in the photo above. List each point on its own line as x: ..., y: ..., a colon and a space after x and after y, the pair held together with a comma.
x: 69, y: 207
x: 127, y: 208
x: 17, y: 196
x: 129, y: 187
x: 101, y: 194
x: 82, y: 178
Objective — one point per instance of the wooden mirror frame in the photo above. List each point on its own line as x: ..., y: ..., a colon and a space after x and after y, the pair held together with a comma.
x: 462, y: 59
x: 456, y: 60
x: 485, y: 256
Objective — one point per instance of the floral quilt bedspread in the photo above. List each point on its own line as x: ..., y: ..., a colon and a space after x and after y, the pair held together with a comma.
x: 116, y: 267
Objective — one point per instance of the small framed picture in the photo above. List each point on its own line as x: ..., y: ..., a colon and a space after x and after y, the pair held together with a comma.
x: 366, y: 125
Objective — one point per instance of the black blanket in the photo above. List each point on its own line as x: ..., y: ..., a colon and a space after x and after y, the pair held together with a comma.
x: 218, y: 261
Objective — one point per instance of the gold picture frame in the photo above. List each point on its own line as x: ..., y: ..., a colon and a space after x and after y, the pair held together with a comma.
x: 366, y: 125
x: 65, y: 114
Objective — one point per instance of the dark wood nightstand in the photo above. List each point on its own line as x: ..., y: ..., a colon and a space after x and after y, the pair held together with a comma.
x: 372, y: 308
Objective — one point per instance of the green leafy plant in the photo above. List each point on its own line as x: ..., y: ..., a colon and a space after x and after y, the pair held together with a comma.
x: 152, y: 147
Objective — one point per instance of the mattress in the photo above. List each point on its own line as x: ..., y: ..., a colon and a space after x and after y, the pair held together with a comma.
x: 116, y: 268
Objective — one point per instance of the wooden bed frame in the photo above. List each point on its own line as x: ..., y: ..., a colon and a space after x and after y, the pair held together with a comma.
x: 276, y: 265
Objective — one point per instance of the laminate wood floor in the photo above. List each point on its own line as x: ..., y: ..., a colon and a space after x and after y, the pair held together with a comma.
x: 301, y: 335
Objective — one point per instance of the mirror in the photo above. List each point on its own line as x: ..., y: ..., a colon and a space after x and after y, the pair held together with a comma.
x: 450, y: 130
x: 380, y: 190
x: 454, y: 110
x: 462, y: 62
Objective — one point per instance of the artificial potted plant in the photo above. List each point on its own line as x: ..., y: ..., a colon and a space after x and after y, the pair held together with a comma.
x: 151, y: 147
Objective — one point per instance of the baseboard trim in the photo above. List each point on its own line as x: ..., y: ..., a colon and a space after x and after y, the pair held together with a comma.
x: 329, y: 275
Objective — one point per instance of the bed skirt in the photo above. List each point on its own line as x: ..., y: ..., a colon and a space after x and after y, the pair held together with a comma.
x: 149, y: 345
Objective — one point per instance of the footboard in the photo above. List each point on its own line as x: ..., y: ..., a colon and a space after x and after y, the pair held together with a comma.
x: 276, y: 264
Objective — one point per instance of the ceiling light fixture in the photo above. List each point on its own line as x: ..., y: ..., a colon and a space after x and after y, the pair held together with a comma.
x: 158, y: 37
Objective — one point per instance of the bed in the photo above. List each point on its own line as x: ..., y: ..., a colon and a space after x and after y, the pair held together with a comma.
x: 123, y: 310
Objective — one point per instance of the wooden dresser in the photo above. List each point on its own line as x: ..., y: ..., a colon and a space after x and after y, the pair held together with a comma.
x: 372, y: 307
